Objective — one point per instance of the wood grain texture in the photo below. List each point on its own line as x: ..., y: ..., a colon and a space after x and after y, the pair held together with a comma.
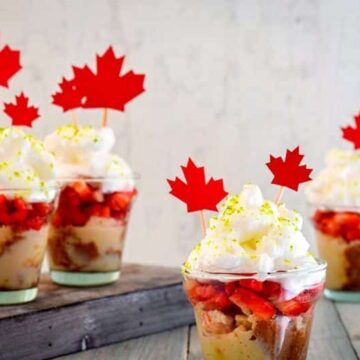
x: 194, y: 352
x: 133, y: 278
x: 146, y: 300
x: 350, y: 316
x: 170, y: 345
x: 329, y: 339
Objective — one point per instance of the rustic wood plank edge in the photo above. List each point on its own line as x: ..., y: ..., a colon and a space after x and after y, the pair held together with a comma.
x: 91, y: 324
x: 349, y: 315
x: 187, y: 343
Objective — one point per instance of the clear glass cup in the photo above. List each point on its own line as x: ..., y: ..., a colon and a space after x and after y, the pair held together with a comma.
x: 24, y: 228
x: 87, y: 232
x: 256, y: 316
x: 337, y: 232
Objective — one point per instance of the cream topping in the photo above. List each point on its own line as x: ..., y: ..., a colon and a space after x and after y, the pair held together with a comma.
x: 252, y: 235
x: 26, y: 168
x: 339, y: 183
x: 84, y: 151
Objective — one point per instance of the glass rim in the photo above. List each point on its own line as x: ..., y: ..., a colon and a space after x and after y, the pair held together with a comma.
x: 54, y: 186
x: 207, y: 275
x: 333, y: 207
x: 67, y: 179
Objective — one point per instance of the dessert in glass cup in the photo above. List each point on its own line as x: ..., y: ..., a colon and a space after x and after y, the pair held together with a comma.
x: 27, y: 193
x: 87, y: 231
x: 334, y: 198
x: 253, y: 282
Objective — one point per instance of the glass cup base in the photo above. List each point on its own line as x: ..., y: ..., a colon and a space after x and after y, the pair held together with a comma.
x: 13, y: 297
x: 84, y: 279
x: 344, y: 296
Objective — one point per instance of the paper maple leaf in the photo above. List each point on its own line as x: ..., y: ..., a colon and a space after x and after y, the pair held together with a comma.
x: 20, y: 112
x: 104, y: 88
x: 289, y: 172
x: 9, y: 64
x: 352, y: 134
x: 195, y: 192
x: 69, y: 97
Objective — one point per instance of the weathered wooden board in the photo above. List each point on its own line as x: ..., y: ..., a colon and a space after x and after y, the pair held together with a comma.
x: 169, y: 345
x: 146, y: 300
x: 329, y: 340
x: 350, y: 316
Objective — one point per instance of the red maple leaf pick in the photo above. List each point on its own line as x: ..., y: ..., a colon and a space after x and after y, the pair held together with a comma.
x: 69, y: 97
x: 20, y: 112
x: 9, y: 64
x: 352, y: 134
x: 196, y: 193
x: 289, y: 172
x: 105, y: 88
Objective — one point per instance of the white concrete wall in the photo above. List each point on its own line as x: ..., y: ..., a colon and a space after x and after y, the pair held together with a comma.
x: 228, y: 82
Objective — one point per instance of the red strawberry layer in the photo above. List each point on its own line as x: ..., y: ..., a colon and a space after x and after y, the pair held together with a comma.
x: 22, y: 215
x: 343, y: 224
x: 264, y: 299
x: 79, y: 201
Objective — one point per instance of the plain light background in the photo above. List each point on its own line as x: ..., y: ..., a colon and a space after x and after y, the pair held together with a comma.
x: 227, y: 82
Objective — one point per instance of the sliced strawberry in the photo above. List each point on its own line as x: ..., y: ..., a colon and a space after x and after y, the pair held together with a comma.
x: 252, y: 284
x: 2, y: 199
x: 230, y: 287
x: 57, y: 220
x: 204, y: 292
x: 249, y: 301
x: 293, y: 307
x: 68, y: 198
x: 119, y: 200
x: 345, y: 224
x: 78, y: 218
x: 272, y: 290
x: 18, y: 210
x: 5, y: 218
x: 330, y: 227
x: 34, y: 223
x: 119, y: 215
x: 310, y: 295
x: 42, y: 208
x: 219, y: 301
x: 105, y: 211
x: 84, y: 190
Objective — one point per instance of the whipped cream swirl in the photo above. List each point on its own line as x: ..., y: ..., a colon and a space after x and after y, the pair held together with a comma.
x: 252, y: 235
x: 338, y: 184
x: 27, y: 169
x: 84, y: 151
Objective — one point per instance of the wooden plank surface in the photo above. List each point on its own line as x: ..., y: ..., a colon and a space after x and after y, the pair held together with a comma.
x: 194, y: 352
x: 330, y: 339
x: 169, y: 345
x: 66, y: 320
x: 134, y: 277
x: 350, y: 316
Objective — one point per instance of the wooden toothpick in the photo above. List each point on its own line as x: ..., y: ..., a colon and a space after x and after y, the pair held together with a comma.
x: 203, y: 223
x: 279, y: 195
x: 105, y: 117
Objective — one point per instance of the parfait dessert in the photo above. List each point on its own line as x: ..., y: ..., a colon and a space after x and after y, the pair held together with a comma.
x: 334, y: 197
x: 87, y: 231
x: 252, y: 280
x: 27, y: 192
